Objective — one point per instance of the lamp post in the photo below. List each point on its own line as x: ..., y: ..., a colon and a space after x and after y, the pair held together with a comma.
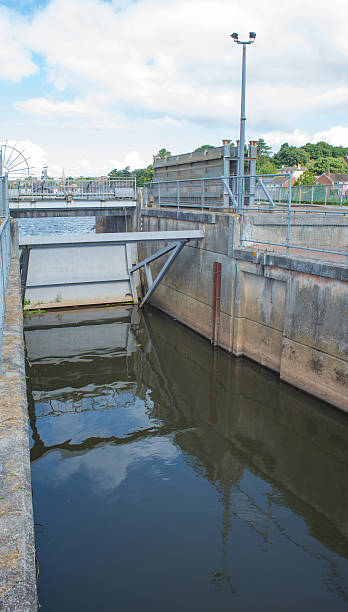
x: 252, y: 37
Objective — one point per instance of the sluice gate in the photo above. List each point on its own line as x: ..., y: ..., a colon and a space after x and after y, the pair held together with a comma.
x: 79, y: 270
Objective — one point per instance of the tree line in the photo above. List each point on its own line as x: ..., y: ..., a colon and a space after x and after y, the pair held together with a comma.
x: 316, y: 158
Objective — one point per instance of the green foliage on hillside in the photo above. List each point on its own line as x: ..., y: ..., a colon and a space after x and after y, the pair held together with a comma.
x: 316, y: 158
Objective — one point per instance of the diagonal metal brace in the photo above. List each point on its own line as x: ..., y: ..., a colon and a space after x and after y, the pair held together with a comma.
x: 24, y: 264
x: 266, y: 192
x: 234, y: 201
x: 176, y: 248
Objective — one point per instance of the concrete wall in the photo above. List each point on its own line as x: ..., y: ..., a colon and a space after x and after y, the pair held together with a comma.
x: 17, y: 552
x: 287, y: 313
x: 326, y: 231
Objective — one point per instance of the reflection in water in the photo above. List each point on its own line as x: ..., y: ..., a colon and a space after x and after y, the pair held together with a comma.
x: 169, y: 476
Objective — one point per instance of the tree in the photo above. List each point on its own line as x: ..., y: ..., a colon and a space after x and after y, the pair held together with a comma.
x: 306, y: 178
x: 125, y: 173
x: 263, y: 149
x: 143, y: 175
x: 329, y: 164
x: 163, y: 153
x: 264, y: 165
x: 203, y: 147
x: 290, y: 156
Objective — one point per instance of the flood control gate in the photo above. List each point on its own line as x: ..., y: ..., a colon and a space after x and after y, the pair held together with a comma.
x: 76, y: 270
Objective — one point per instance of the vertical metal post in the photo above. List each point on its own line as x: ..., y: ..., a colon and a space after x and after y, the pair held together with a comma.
x: 325, y: 197
x: 312, y: 195
x: 202, y: 194
x: 299, y: 194
x: 288, y: 218
x: 341, y: 197
x: 242, y: 129
x: 178, y: 194
x: 227, y: 155
x: 6, y: 195
x: 159, y: 195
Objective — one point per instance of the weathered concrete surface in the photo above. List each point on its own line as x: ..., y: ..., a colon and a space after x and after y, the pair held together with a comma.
x: 120, y: 221
x: 326, y: 231
x: 287, y: 313
x: 17, y: 550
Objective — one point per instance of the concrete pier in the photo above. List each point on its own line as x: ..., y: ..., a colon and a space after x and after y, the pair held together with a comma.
x: 288, y: 313
x: 17, y: 551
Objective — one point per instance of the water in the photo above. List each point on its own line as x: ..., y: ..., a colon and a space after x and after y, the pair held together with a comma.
x: 56, y: 225
x: 168, y: 476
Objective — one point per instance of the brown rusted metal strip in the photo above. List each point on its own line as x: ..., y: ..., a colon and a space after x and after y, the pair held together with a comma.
x: 216, y: 302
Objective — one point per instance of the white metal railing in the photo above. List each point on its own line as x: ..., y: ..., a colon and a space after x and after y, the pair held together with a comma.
x: 75, y: 189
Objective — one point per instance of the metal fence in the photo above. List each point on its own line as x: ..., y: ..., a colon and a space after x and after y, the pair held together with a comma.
x: 215, y: 192
x: 312, y: 195
x: 74, y: 189
x: 255, y: 195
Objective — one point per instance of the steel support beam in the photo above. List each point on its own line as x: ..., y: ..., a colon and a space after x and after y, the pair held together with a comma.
x: 176, y: 248
x: 24, y: 265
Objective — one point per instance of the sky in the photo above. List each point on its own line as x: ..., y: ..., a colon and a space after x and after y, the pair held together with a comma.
x: 90, y: 85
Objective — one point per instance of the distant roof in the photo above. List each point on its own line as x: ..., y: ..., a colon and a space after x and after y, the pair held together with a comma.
x: 338, y: 177
x: 292, y: 168
x: 275, y: 180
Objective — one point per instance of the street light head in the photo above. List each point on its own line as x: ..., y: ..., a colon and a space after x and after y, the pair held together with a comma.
x: 252, y: 35
x: 235, y: 36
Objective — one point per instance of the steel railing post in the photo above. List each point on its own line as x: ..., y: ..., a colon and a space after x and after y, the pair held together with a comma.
x: 178, y: 194
x: 288, y: 219
x: 341, y: 196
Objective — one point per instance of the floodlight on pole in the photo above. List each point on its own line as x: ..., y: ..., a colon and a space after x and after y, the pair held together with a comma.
x: 252, y: 36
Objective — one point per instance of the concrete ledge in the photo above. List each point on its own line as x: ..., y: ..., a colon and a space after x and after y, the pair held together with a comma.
x: 327, y: 269
x: 17, y: 549
x: 182, y: 215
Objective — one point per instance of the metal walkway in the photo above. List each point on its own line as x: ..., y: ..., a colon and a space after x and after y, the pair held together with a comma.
x: 74, y: 270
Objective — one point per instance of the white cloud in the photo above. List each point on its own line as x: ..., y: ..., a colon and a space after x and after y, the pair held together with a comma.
x: 132, y: 159
x: 296, y: 138
x: 336, y: 135
x: 127, y: 67
x: 15, y: 57
x: 177, y: 59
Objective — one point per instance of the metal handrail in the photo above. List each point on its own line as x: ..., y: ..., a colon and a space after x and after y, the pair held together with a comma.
x: 174, y: 193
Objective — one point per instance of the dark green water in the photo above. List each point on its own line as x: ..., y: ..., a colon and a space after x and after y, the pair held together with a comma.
x: 171, y: 477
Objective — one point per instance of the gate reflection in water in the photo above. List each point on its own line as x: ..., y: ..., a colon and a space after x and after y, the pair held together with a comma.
x: 168, y: 475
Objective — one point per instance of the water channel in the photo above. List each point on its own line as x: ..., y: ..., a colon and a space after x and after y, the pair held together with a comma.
x: 170, y: 476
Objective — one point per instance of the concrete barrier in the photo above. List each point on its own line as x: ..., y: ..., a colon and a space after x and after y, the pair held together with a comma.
x: 17, y: 551
x: 287, y: 313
